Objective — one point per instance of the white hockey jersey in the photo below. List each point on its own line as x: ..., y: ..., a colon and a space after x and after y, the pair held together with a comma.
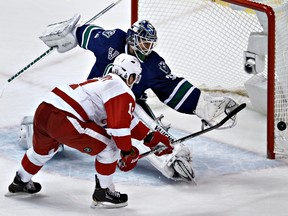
x: 107, y: 101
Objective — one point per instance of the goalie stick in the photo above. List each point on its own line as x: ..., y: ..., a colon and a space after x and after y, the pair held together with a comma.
x: 5, y: 84
x: 229, y: 115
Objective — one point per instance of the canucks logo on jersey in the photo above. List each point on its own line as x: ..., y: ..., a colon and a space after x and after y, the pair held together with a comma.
x: 164, y: 68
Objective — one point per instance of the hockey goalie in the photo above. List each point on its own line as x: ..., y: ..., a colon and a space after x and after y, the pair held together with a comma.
x: 175, y: 92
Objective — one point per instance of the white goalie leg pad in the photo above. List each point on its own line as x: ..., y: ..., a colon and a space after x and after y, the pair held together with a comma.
x: 158, y: 163
x: 26, y: 132
x: 61, y: 35
x: 214, y: 109
x: 181, y: 154
x: 167, y: 166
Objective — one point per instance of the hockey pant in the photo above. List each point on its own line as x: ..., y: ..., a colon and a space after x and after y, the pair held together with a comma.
x: 53, y: 127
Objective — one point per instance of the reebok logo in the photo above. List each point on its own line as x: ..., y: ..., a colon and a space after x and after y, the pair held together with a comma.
x: 108, y: 197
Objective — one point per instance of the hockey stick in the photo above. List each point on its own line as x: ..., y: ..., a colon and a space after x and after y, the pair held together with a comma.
x: 5, y: 84
x: 223, y: 121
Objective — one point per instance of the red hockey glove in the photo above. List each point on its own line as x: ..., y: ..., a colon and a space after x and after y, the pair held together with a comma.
x: 155, y: 138
x: 128, y: 159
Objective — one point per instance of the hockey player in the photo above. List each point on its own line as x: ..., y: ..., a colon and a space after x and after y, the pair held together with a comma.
x: 94, y: 117
x: 140, y: 40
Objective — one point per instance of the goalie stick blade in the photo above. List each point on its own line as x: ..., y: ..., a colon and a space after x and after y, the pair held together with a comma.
x: 107, y: 205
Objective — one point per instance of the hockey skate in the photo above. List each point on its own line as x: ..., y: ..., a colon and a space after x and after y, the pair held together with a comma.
x: 18, y: 187
x: 107, y: 198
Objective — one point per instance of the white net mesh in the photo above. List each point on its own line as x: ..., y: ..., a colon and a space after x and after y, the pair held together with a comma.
x: 281, y: 78
x: 204, y: 41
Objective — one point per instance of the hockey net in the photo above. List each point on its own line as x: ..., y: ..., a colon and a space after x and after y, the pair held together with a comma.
x: 204, y: 41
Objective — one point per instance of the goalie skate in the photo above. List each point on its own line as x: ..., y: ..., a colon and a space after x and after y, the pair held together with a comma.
x: 183, y: 170
x: 176, y: 166
x: 181, y: 162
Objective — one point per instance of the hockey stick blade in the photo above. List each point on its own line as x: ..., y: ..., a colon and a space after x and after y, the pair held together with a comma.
x: 223, y: 121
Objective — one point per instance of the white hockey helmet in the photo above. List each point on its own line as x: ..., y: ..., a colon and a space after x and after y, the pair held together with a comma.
x: 128, y: 68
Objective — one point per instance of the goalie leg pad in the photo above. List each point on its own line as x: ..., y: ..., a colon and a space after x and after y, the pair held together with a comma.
x: 176, y: 166
x: 165, y: 164
x: 183, y: 169
x: 26, y: 132
x: 181, y: 161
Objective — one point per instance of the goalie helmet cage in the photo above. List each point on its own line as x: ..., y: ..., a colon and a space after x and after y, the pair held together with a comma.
x: 204, y: 41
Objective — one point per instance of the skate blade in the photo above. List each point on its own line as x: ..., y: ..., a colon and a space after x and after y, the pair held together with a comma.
x: 107, y: 205
x: 22, y: 194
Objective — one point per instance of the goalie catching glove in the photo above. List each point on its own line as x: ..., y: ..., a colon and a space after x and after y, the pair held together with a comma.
x: 157, y: 140
x: 128, y: 159
x: 61, y: 35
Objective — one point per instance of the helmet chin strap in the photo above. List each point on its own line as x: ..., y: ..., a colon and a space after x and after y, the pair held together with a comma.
x: 130, y: 85
x: 133, y: 51
x: 141, y: 57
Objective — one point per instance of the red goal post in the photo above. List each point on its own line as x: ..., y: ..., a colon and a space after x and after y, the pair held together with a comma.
x: 204, y: 41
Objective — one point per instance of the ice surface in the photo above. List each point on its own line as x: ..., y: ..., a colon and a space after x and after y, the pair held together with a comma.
x: 233, y: 175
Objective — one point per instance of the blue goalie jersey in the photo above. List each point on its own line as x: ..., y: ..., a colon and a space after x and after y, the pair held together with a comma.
x: 174, y: 91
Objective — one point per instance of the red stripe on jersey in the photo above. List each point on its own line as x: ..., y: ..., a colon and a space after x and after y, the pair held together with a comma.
x: 140, y: 131
x: 76, y: 106
x: 105, y: 169
x: 119, y: 111
x: 124, y: 142
x: 29, y: 166
x: 119, y: 116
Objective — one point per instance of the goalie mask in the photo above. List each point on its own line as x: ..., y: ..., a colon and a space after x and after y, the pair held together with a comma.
x: 142, y: 37
x: 128, y: 68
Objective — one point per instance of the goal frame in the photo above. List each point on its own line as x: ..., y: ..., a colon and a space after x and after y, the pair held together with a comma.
x: 270, y: 65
